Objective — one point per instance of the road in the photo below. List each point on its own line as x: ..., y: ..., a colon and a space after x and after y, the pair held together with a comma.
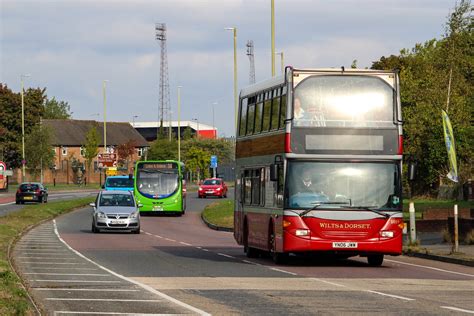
x: 178, y: 265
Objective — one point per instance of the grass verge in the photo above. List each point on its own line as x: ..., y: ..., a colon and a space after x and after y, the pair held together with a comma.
x: 13, y: 298
x: 62, y: 187
x: 220, y: 213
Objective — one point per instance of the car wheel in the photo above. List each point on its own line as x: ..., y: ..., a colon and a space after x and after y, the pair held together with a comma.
x: 40, y: 200
x: 137, y: 231
x: 46, y: 199
x: 94, y: 229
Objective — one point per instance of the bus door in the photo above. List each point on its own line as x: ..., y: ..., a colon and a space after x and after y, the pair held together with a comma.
x: 239, y: 211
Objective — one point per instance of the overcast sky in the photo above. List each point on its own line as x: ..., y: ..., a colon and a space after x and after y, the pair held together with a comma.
x: 71, y: 46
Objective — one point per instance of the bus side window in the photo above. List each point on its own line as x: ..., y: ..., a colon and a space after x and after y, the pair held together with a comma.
x: 248, y: 188
x: 250, y: 119
x: 280, y: 186
x: 267, y: 111
x: 243, y: 117
x: 283, y: 111
x: 275, y: 109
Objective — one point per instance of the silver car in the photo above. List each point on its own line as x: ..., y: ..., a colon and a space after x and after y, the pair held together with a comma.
x: 115, y: 210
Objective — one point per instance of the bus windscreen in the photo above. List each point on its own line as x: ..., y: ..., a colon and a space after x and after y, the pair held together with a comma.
x: 157, y: 180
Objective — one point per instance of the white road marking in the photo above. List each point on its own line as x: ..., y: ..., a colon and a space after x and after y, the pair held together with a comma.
x: 328, y: 282
x: 391, y: 295
x: 204, y: 249
x: 76, y: 281
x: 87, y: 290
x: 100, y: 300
x: 224, y: 255
x: 42, y: 268
x: 170, y: 239
x: 54, y: 263
x: 198, y: 247
x: 81, y: 274
x: 111, y: 313
x: 144, y: 286
x: 184, y: 243
x: 431, y: 268
x: 458, y: 309
x: 58, y: 258
x: 283, y: 271
x: 10, y: 203
x: 251, y: 262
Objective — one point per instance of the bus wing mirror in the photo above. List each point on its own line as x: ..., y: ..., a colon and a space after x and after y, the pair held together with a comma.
x: 273, y: 172
x: 103, y: 186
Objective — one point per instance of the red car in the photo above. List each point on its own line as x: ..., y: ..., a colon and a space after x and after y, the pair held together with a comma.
x: 212, y: 187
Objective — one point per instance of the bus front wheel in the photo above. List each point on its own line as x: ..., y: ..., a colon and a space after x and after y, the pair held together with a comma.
x: 375, y: 260
x: 277, y: 257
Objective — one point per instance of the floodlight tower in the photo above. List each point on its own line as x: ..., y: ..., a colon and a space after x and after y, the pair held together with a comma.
x: 252, y: 61
x: 164, y: 111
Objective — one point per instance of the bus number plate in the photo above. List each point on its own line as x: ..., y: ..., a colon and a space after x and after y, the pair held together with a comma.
x: 344, y: 245
x: 157, y: 208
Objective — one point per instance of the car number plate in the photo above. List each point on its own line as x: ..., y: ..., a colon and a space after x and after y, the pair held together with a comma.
x: 344, y: 245
x: 117, y: 221
x: 209, y: 191
x: 28, y: 198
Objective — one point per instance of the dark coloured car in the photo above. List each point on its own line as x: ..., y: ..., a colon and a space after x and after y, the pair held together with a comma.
x: 31, y: 192
x: 212, y: 187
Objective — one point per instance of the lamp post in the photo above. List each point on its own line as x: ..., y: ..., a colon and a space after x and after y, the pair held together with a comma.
x: 105, y: 115
x: 236, y: 101
x: 133, y: 120
x: 179, y: 123
x: 281, y: 60
x: 23, y: 161
x: 197, y: 122
x: 213, y: 126
x: 273, y: 37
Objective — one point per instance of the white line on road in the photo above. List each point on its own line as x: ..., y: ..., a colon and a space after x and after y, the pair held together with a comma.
x: 110, y: 313
x: 431, y: 268
x: 100, y: 300
x: 198, y: 247
x: 87, y: 290
x: 76, y: 281
x: 7, y: 203
x: 184, y: 243
x: 328, y: 282
x: 251, y: 262
x: 204, y: 249
x: 81, y: 274
x: 391, y: 295
x: 170, y: 239
x: 144, y: 286
x: 54, y: 263
x: 458, y: 309
x: 283, y: 271
x: 224, y: 255
x: 57, y: 258
x: 43, y: 268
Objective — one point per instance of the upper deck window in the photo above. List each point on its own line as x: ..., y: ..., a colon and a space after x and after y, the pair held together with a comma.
x: 343, y: 101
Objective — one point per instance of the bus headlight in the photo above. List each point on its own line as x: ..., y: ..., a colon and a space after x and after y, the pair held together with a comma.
x: 301, y: 232
x: 134, y: 215
x: 386, y: 234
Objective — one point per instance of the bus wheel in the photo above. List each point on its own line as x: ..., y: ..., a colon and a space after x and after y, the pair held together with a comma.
x: 278, y: 257
x: 375, y: 260
x: 249, y: 251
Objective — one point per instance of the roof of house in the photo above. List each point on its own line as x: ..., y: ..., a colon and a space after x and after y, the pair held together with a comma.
x: 73, y: 133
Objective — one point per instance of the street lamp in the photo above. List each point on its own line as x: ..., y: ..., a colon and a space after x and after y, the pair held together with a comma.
x: 281, y: 60
x: 179, y: 123
x: 197, y: 122
x: 133, y: 120
x: 236, y: 101
x: 105, y: 115
x: 213, y: 126
x: 23, y: 161
x: 273, y: 37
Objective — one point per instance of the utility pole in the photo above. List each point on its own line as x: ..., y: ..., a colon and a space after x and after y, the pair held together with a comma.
x: 273, y: 37
x: 250, y: 53
x: 164, y: 110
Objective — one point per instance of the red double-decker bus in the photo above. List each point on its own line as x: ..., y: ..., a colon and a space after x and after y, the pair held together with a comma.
x: 318, y: 165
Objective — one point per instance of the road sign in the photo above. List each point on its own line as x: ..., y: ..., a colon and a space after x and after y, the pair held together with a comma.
x: 111, y: 171
x: 213, y: 161
x: 107, y: 160
x: 3, y: 167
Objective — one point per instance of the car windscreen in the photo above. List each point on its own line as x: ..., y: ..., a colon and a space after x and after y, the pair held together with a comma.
x: 119, y: 182
x: 340, y: 184
x: 116, y: 200
x: 211, y: 182
x: 29, y: 187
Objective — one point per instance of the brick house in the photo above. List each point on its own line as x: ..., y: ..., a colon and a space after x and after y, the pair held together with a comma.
x: 69, y: 137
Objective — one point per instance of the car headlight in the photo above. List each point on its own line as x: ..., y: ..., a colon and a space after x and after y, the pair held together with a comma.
x: 200, y: 189
x: 218, y: 189
x: 101, y: 215
x: 134, y: 215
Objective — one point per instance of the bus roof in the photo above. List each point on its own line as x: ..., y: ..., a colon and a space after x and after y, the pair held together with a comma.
x: 279, y: 80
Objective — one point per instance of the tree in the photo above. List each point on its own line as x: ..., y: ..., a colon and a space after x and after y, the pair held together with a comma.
x: 38, y: 151
x: 430, y: 73
x: 197, y: 160
x: 54, y: 109
x: 162, y: 149
x: 187, y: 134
x: 91, y: 147
x: 125, y: 151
